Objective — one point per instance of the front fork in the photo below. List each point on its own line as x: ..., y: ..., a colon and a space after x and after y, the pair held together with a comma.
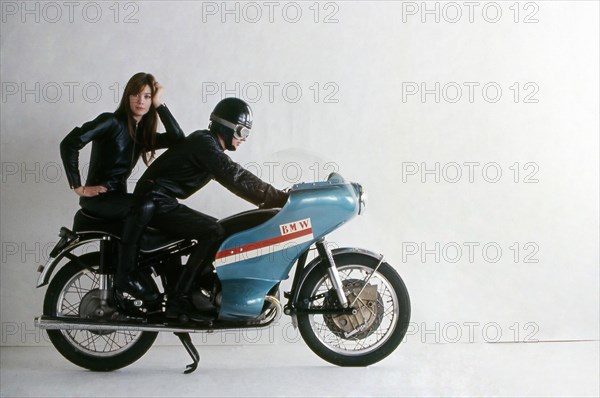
x: 334, y: 275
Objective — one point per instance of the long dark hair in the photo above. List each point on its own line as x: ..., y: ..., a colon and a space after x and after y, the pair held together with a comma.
x: 149, y: 121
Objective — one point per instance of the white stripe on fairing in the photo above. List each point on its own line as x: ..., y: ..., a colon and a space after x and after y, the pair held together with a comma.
x: 263, y: 251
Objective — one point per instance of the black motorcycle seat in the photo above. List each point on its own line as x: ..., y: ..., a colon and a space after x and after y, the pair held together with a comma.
x: 152, y: 239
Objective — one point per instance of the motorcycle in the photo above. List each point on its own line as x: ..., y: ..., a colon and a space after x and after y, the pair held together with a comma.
x: 351, y: 307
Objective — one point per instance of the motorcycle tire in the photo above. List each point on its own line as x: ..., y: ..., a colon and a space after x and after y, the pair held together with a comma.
x: 381, y: 321
x: 93, y: 350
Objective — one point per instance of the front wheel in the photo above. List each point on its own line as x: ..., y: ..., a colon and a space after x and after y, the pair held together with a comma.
x: 74, y: 292
x: 379, y: 324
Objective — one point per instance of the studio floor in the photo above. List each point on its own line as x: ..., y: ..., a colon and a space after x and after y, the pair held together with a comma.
x: 414, y: 369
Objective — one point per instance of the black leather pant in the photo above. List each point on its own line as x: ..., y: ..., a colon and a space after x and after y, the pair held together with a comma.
x: 137, y: 213
x: 155, y: 207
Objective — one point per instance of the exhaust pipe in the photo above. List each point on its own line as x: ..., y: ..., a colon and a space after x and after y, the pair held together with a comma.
x: 276, y: 304
x: 64, y: 323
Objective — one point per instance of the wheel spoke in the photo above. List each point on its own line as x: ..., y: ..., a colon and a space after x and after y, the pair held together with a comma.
x: 96, y: 343
x: 79, y: 289
x: 89, y: 339
x: 129, y: 334
x: 381, y: 316
x: 111, y: 341
x: 70, y: 308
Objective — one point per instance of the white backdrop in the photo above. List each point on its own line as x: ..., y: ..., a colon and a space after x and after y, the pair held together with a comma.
x: 472, y: 125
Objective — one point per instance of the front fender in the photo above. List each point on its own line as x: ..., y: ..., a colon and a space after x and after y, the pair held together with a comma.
x: 82, y: 239
x: 317, y: 260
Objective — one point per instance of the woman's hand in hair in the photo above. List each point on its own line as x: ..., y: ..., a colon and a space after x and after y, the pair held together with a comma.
x: 158, y: 90
x: 90, y: 191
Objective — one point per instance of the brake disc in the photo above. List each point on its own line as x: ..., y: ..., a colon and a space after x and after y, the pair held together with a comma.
x: 369, y: 306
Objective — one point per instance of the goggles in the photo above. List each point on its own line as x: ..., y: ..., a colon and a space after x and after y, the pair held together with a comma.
x: 240, y: 132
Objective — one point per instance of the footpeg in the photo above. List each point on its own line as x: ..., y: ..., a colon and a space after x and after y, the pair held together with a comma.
x: 186, y: 340
x: 135, y: 307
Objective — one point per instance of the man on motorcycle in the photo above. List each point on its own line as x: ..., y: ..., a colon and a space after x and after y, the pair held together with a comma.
x: 183, y: 170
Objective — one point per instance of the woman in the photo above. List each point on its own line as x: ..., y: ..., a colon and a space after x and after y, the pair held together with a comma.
x: 118, y: 140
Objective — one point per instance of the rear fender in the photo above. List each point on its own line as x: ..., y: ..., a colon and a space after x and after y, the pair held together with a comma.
x: 59, y: 253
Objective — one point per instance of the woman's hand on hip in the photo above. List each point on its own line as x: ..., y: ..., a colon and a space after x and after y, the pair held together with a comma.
x: 90, y: 191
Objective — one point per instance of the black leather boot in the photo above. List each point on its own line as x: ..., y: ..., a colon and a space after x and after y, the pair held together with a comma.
x: 137, y: 285
x: 184, y: 309
x: 185, y: 302
x: 128, y: 278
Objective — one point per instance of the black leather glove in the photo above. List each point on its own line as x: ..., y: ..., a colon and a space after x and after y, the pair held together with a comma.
x: 274, y: 198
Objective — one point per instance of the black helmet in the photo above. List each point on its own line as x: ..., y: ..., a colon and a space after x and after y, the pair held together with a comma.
x: 232, y: 118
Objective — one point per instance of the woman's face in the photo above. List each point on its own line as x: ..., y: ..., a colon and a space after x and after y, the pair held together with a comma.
x: 140, y: 103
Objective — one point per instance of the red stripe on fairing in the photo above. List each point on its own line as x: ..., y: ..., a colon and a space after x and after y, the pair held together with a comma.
x: 263, y: 243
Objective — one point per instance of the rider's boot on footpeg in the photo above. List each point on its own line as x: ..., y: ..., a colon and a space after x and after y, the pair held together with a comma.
x: 186, y: 304
x: 185, y: 308
x: 131, y: 281
x: 136, y: 285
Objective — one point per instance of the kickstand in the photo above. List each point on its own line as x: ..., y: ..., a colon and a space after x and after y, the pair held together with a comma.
x: 186, y: 340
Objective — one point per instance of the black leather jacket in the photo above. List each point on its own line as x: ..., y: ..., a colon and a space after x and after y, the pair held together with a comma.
x: 192, y: 163
x: 114, y: 153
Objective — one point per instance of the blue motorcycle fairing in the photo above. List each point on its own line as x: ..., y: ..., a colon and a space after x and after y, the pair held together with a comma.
x: 251, y: 262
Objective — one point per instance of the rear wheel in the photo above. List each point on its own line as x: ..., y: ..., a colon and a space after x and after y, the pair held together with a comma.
x: 381, y: 320
x: 74, y: 293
